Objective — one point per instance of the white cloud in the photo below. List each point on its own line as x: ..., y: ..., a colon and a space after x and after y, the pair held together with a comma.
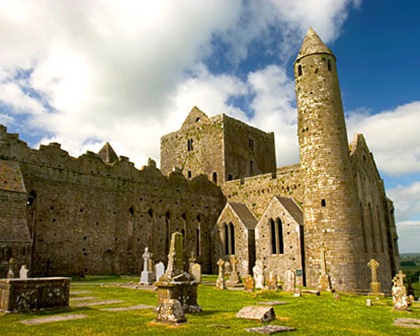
x: 393, y: 137
x: 100, y: 70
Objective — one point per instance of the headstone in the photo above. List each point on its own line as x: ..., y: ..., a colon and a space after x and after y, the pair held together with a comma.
x: 258, y: 275
x: 407, y: 323
x: 399, y: 293
x: 249, y: 283
x: 192, y: 261
x: 324, y: 278
x: 375, y: 285
x: 272, y: 282
x: 368, y: 302
x: 269, y: 329
x: 177, y: 289
x: 160, y: 270
x: 220, y: 282
x: 234, y: 278
x: 146, y: 275
x: 151, y: 267
x: 227, y: 267
x: 170, y: 311
x: 297, y: 292
x: 289, y: 284
x: 10, y: 272
x: 259, y: 313
x: 196, y: 272
x: 23, y: 272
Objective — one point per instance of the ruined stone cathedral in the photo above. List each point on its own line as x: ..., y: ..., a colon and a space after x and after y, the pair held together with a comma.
x: 218, y: 185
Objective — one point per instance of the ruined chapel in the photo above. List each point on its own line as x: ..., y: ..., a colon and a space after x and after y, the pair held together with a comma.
x: 219, y: 186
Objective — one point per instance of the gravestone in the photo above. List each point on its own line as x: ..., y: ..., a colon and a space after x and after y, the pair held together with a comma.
x: 146, y: 275
x: 177, y: 289
x: 151, y: 267
x: 192, y: 261
x: 234, y: 278
x: 400, y: 299
x: 270, y: 329
x: 220, y: 282
x: 324, y: 278
x: 160, y: 269
x: 170, y: 311
x: 272, y: 282
x: 23, y: 272
x: 289, y: 284
x: 259, y: 313
x: 258, y: 275
x: 249, y: 283
x: 375, y: 285
x: 227, y: 267
x: 10, y: 272
x: 196, y: 272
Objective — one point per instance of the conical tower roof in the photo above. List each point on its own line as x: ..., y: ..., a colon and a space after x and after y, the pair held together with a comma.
x: 107, y: 154
x: 312, y: 44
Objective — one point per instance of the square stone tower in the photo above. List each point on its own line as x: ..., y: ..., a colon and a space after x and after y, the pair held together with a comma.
x: 220, y: 147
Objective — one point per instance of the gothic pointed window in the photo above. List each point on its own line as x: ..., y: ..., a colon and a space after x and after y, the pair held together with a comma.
x: 276, y: 230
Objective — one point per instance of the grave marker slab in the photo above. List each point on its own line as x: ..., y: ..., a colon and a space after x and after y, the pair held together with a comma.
x: 259, y: 313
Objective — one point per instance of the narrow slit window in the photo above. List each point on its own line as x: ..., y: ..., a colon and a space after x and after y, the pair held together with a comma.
x: 299, y: 70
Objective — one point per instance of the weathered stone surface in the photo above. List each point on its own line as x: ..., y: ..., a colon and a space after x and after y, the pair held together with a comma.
x: 259, y: 313
x: 23, y: 295
x: 57, y: 318
x: 270, y: 329
x: 407, y: 322
x: 117, y: 210
x: 170, y: 311
x: 176, y: 285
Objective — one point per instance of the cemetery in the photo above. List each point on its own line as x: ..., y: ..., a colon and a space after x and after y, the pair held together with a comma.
x: 182, y: 302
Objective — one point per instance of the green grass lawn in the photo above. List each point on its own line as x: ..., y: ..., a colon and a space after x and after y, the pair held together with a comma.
x: 309, y: 314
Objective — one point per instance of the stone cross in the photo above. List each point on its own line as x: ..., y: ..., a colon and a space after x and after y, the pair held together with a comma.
x: 220, y: 282
x: 373, y: 264
x: 401, y: 277
x: 146, y: 256
x: 233, y: 263
x: 10, y: 273
x: 23, y: 273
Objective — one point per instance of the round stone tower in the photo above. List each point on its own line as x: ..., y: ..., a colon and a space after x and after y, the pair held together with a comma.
x: 332, y: 231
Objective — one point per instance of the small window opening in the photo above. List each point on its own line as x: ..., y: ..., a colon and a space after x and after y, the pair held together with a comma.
x: 329, y: 65
x: 251, y: 167
x: 230, y: 177
x: 323, y: 203
x: 251, y: 144
x: 190, y: 145
x: 214, y: 177
x: 299, y: 70
x: 189, y: 174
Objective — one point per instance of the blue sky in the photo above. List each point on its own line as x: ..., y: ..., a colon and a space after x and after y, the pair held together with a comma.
x: 84, y: 72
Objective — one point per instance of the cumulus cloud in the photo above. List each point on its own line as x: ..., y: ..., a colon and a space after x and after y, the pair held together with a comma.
x: 98, y: 71
x: 393, y: 136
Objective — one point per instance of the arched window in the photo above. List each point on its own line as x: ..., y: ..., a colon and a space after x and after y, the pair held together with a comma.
x: 31, y: 198
x: 362, y: 222
x: 190, y: 145
x: 229, y: 233
x: 167, y: 232
x: 372, y: 229
x: 276, y: 233
x: 299, y: 70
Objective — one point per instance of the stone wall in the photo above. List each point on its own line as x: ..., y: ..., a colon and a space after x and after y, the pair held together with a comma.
x: 285, y: 257
x: 220, y: 147
x: 257, y: 191
x: 97, y: 218
x: 36, y: 294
